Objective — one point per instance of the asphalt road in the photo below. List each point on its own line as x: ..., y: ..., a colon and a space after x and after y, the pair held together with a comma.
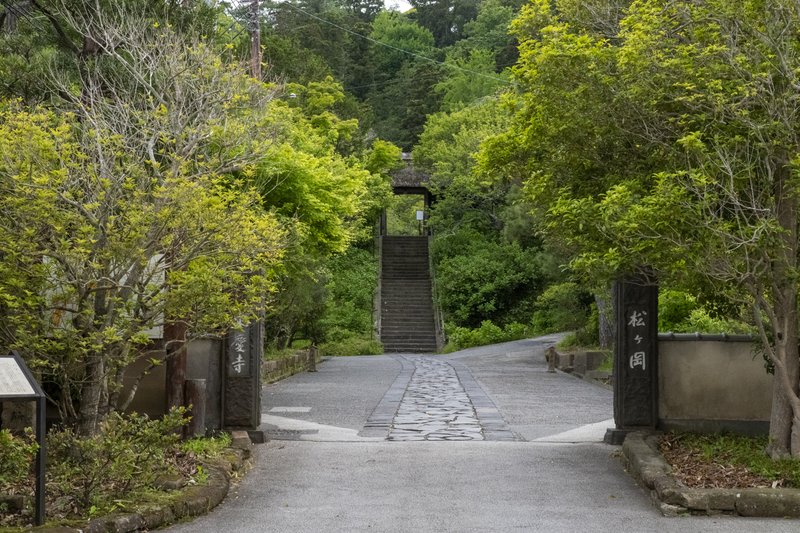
x: 335, y: 475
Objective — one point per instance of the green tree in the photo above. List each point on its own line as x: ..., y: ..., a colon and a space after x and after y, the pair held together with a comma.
x: 673, y: 144
x: 445, y: 19
x: 97, y: 250
x: 469, y: 79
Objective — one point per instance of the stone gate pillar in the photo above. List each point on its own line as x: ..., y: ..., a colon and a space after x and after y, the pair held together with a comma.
x: 635, y: 357
x: 243, y: 350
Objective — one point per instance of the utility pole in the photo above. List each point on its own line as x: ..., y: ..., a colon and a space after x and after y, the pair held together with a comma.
x: 255, y: 39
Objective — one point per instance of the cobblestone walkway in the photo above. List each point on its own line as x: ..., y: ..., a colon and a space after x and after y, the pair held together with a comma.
x: 435, y: 406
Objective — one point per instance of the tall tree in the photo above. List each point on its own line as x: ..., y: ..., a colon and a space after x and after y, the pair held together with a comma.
x: 445, y: 19
x: 673, y: 144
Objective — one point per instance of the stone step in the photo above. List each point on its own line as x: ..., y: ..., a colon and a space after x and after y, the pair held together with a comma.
x: 415, y: 348
x: 407, y: 320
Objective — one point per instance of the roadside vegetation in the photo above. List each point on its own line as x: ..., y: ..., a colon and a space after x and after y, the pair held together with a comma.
x: 727, y: 461
x: 126, y: 465
x: 153, y: 177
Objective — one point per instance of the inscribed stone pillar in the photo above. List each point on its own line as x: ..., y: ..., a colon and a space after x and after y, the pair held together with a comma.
x: 242, y: 390
x: 635, y: 358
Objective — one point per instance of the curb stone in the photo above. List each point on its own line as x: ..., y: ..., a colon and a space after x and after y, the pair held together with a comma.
x: 646, y: 464
x: 188, y: 502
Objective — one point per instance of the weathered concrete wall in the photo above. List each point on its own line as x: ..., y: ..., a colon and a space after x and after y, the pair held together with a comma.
x: 150, y: 398
x: 203, y: 362
x: 710, y: 385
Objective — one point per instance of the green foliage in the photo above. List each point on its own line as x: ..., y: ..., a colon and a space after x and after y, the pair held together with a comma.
x: 472, y: 78
x: 207, y: 447
x: 399, y: 33
x: 681, y: 312
x: 401, y: 216
x: 490, y: 31
x: 479, y: 279
x: 350, y: 288
x: 352, y: 345
x: 561, y: 307
x: 129, y: 453
x: 16, y: 456
x: 674, y: 308
x: 459, y: 338
x: 445, y: 19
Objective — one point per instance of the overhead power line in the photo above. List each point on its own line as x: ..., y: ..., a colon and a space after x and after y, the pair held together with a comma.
x: 395, y: 48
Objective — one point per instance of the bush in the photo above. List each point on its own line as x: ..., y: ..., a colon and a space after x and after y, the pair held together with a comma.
x: 700, y: 320
x: 350, y: 291
x: 674, y: 308
x: 488, y: 333
x: 131, y: 452
x: 479, y: 279
x: 561, y: 307
x: 352, y: 346
x: 16, y: 456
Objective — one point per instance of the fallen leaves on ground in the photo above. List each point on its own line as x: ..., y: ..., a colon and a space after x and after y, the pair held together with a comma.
x: 694, y: 470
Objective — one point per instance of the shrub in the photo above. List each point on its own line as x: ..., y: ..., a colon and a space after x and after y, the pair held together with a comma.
x: 350, y: 290
x: 674, y: 308
x: 129, y: 453
x: 16, y: 456
x: 561, y: 307
x: 352, y: 346
x: 479, y: 279
x: 488, y: 333
x: 700, y: 320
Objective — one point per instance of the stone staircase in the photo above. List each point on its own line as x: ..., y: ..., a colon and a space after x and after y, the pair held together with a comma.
x: 407, y: 319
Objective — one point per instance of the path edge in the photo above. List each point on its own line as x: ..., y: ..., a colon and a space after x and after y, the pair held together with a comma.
x: 647, y: 466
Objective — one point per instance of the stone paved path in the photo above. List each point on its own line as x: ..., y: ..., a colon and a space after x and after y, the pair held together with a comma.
x: 435, y: 406
x: 436, y: 399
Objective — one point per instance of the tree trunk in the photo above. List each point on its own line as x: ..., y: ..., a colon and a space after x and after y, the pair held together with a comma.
x: 175, y: 339
x: 91, y: 394
x: 784, y: 431
x: 255, y: 39
x: 605, y: 311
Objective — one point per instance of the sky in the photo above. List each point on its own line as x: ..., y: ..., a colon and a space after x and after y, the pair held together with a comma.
x: 399, y: 5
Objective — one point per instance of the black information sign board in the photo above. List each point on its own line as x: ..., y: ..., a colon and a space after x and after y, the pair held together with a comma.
x: 17, y: 384
x: 635, y: 358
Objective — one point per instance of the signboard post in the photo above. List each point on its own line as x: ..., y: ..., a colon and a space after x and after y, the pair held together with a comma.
x: 635, y: 358
x: 17, y: 384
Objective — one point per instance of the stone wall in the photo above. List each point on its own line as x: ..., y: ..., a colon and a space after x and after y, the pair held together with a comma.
x: 713, y: 385
x: 283, y: 368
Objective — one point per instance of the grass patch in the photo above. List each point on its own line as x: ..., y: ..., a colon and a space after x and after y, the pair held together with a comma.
x: 727, y: 461
x: 608, y: 363
x: 459, y: 338
x: 352, y: 346
x: 572, y: 342
x: 207, y: 447
x: 277, y: 355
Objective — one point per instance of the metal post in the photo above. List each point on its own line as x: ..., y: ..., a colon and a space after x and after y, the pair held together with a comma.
x: 41, y: 455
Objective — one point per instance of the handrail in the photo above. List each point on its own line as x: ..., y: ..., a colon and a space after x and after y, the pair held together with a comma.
x: 376, y: 299
x: 438, y: 315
